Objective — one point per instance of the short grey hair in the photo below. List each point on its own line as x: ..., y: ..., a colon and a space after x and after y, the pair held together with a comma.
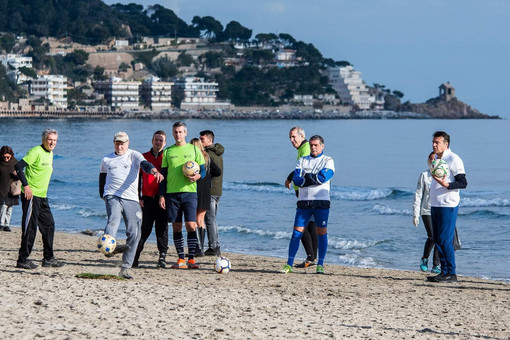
x: 179, y: 124
x: 299, y: 130
x: 47, y: 132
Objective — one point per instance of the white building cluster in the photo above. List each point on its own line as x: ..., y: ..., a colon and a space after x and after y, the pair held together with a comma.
x: 194, y: 93
x: 351, y: 88
x: 50, y: 87
x: 12, y: 64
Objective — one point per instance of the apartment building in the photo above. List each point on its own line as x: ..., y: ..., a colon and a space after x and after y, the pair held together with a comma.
x: 12, y: 63
x: 350, y: 87
x: 157, y: 94
x: 118, y: 93
x: 196, y: 93
x: 50, y: 87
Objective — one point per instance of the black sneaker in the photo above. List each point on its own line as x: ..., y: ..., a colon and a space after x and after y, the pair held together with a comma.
x: 7, y: 229
x: 213, y: 252
x: 27, y: 264
x: 161, y: 261
x: 52, y: 263
x: 119, y: 249
x: 124, y: 273
x: 447, y: 278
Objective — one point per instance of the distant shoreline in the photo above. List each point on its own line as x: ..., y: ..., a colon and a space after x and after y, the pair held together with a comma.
x: 240, y: 114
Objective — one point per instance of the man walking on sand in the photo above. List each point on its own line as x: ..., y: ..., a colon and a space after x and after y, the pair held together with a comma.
x: 444, y: 201
x: 153, y: 214
x: 309, y: 239
x: 35, y: 180
x: 118, y: 187
x: 215, y: 152
x: 312, y: 175
x: 178, y: 193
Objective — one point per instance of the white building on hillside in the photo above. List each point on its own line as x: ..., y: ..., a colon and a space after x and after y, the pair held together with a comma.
x: 196, y: 93
x: 12, y: 63
x: 118, y: 93
x: 157, y: 94
x: 52, y: 88
x: 350, y: 87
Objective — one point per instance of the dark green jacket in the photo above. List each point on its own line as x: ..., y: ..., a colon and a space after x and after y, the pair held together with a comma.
x: 216, y: 151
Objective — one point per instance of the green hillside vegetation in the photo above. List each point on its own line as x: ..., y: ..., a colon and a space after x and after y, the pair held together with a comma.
x: 93, y: 22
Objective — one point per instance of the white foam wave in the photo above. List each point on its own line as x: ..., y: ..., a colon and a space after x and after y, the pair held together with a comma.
x: 256, y: 187
x: 244, y: 230
x: 62, y: 206
x: 340, y: 243
x: 355, y: 259
x: 384, y: 210
x: 354, y: 194
x: 481, y: 202
x: 90, y: 213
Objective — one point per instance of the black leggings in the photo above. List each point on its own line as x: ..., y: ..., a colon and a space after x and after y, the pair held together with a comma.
x: 429, y: 244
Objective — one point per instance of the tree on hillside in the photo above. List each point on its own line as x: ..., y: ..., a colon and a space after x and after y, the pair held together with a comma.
x: 212, y: 59
x: 266, y: 37
x: 164, y: 68
x: 208, y: 26
x: 308, y: 52
x: 184, y: 59
x: 287, y: 39
x: 342, y: 63
x: 234, y: 31
x: 7, y: 42
x: 166, y: 23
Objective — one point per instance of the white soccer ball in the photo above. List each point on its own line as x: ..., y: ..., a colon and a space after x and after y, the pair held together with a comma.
x: 106, y: 244
x: 222, y: 265
x: 439, y: 168
x: 190, y: 168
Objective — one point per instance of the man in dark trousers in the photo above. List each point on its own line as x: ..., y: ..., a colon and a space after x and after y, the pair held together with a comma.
x: 153, y: 214
x: 215, y: 152
x: 35, y: 179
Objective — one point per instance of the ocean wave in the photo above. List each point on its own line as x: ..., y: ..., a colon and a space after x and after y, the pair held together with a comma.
x: 483, y: 202
x: 360, y: 194
x: 245, y: 230
x: 86, y: 212
x: 341, y: 243
x: 339, y: 193
x: 62, y: 206
x: 485, y: 214
x: 257, y: 187
x: 384, y: 210
x: 355, y: 259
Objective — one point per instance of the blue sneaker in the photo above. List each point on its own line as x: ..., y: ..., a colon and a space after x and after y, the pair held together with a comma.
x: 436, y: 269
x: 423, y: 264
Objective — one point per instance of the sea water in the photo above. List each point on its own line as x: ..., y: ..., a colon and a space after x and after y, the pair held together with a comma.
x: 377, y: 162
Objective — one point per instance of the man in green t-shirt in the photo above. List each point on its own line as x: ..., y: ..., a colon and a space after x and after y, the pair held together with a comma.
x: 309, y: 240
x: 178, y: 193
x: 35, y: 171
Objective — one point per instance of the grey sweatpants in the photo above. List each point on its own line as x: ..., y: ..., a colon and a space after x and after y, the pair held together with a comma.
x: 116, y: 208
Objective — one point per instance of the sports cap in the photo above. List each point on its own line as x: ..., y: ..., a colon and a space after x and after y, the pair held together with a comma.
x: 121, y: 137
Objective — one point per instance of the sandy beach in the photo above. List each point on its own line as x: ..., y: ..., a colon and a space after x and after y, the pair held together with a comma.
x: 253, y: 301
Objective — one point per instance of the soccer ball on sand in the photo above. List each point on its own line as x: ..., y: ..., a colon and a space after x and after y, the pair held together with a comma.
x: 106, y: 244
x: 222, y: 265
x: 190, y: 168
x: 439, y: 168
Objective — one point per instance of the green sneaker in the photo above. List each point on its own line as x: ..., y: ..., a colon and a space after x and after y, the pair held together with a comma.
x: 319, y: 270
x: 286, y: 269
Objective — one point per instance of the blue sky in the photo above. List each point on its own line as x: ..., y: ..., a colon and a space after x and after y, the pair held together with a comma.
x: 408, y: 45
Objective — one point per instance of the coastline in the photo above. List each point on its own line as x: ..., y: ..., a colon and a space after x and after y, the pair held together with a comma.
x: 241, y: 113
x: 253, y: 301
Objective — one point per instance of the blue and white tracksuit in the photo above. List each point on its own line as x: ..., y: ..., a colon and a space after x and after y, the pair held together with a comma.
x: 312, y: 175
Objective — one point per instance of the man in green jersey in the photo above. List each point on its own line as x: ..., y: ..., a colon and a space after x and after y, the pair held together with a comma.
x: 178, y: 193
x: 35, y: 179
x: 309, y: 240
